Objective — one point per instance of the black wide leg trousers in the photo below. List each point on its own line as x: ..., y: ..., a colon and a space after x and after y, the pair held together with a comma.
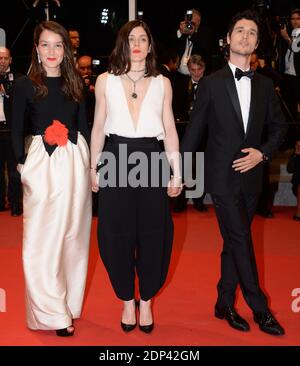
x: 135, y: 227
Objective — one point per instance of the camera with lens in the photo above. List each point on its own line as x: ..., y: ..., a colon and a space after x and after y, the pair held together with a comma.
x: 89, y: 80
x: 280, y: 22
x: 92, y: 79
x: 189, y: 25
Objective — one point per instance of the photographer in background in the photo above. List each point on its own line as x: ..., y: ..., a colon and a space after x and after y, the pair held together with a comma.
x: 192, y: 38
x: 291, y: 89
x: 13, y: 190
x: 75, y: 42
x: 84, y: 66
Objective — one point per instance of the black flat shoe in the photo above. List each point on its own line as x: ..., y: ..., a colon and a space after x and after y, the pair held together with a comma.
x: 296, y: 218
x: 64, y: 332
x: 233, y: 318
x: 268, y: 323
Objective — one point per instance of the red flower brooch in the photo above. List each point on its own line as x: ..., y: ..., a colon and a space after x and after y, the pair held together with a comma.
x: 56, y: 134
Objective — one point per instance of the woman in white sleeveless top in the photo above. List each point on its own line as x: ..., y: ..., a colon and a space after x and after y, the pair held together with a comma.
x: 133, y: 112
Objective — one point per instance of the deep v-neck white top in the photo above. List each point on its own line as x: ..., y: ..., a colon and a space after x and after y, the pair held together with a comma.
x: 118, y: 118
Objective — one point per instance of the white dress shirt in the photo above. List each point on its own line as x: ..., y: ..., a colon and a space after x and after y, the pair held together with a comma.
x: 243, y: 87
x: 289, y: 56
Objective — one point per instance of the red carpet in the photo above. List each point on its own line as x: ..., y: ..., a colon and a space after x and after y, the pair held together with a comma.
x: 184, y: 309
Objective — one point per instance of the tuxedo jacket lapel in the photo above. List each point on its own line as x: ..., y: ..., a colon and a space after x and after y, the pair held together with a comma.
x: 231, y: 88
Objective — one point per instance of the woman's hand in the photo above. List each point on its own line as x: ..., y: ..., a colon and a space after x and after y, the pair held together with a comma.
x: 94, y: 180
x: 174, y: 186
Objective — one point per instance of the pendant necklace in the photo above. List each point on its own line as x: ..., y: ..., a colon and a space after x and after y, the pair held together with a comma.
x: 134, y: 94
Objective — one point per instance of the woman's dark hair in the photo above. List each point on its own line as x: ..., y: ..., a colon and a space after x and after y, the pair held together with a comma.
x: 72, y: 85
x: 119, y: 61
x: 246, y: 14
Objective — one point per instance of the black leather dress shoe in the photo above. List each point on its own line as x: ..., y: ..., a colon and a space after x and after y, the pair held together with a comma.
x: 267, y: 323
x: 296, y: 218
x: 233, y: 318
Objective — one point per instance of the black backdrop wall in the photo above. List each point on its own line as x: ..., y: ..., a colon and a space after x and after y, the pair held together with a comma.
x: 18, y: 19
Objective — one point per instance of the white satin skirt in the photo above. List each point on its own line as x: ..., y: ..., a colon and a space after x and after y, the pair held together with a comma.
x: 56, y: 234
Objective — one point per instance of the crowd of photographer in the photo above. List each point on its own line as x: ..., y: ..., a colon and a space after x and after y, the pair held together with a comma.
x: 278, y: 53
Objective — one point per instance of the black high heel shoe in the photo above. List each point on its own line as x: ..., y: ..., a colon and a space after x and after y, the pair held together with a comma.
x: 128, y: 327
x: 144, y: 328
x: 64, y: 332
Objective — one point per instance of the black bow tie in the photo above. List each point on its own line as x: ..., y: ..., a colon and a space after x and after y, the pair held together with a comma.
x: 239, y: 73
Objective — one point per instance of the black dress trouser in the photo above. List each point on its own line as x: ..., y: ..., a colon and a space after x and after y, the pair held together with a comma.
x: 135, y: 228
x: 238, y: 266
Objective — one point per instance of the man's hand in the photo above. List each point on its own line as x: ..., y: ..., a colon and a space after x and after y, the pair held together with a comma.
x: 285, y: 35
x: 2, y: 89
x: 248, y: 162
x: 184, y: 30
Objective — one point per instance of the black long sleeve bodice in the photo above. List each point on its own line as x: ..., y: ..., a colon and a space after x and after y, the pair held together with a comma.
x: 42, y: 112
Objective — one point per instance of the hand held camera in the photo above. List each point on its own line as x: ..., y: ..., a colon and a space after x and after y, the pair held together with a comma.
x: 189, y: 25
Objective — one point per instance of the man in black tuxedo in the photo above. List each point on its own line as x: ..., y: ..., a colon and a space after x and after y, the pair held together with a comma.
x: 235, y: 103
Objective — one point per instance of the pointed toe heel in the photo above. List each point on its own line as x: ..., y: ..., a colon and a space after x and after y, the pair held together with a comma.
x: 146, y: 328
x: 64, y: 332
x: 127, y: 327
